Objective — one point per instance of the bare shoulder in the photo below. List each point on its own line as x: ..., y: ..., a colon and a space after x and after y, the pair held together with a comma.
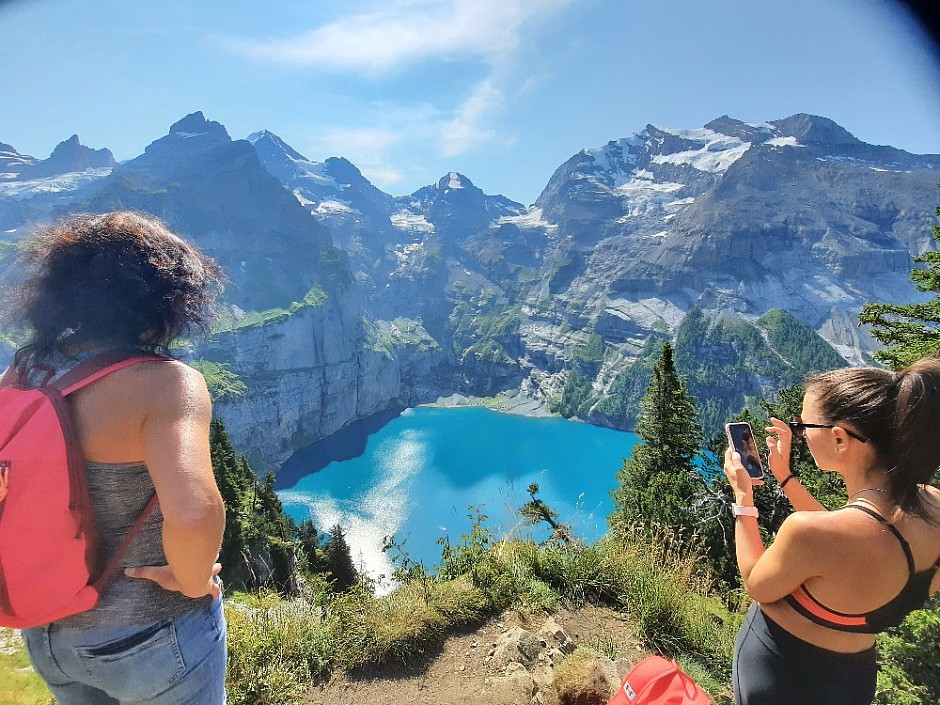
x: 167, y: 384
x: 799, y: 523
x: 819, y: 529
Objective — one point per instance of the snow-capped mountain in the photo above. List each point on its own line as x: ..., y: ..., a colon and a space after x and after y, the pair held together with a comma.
x: 715, y: 237
x: 201, y: 183
x: 795, y: 213
x: 12, y: 162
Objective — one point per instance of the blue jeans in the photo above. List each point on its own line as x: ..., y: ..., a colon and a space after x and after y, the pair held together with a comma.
x: 179, y: 661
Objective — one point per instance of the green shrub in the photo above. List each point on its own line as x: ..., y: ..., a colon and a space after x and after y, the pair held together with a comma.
x: 221, y: 381
x: 407, y: 624
x: 908, y: 654
x: 276, y: 649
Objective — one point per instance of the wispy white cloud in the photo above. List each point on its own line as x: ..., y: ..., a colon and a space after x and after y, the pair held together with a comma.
x: 394, y: 36
x: 368, y: 148
x: 366, y: 144
x: 404, y: 32
x: 465, y: 131
x: 384, y: 177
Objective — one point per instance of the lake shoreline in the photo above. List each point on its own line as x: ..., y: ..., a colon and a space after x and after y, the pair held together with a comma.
x: 512, y: 402
x: 422, y: 474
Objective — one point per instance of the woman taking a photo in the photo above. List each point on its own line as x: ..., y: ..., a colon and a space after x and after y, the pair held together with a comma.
x: 832, y: 580
x: 122, y: 283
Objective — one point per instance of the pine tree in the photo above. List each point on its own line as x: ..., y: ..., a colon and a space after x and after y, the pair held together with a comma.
x: 911, y: 331
x: 338, y: 560
x: 235, y: 481
x: 309, y: 539
x: 255, y: 521
x: 658, y: 485
x: 536, y: 511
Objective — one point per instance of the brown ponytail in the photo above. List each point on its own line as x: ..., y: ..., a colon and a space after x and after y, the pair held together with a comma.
x: 916, y: 429
x: 899, y: 413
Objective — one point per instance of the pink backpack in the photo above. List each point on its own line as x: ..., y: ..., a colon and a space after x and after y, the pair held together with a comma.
x: 49, y: 567
x: 656, y: 681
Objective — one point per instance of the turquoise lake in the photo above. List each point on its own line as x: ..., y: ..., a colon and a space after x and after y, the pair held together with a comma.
x: 414, y: 474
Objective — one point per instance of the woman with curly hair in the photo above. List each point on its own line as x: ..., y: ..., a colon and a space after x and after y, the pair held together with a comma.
x: 832, y: 580
x: 122, y: 282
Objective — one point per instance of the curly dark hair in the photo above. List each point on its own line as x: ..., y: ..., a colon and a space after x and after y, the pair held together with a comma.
x: 120, y: 277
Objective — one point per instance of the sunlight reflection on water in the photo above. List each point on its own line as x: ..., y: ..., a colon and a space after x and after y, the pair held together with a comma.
x: 415, y: 478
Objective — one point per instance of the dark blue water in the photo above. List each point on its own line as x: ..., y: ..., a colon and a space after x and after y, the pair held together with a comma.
x: 414, y: 474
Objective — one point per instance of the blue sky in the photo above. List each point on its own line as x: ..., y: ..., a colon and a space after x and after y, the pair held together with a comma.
x: 503, y: 91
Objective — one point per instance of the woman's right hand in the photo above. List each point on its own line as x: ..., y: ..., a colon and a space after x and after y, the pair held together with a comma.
x: 163, y: 576
x: 779, y: 443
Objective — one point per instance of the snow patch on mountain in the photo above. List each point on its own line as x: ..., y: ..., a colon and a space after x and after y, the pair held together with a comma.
x: 643, y: 196
x: 23, y: 190
x: 411, y: 222
x: 531, y: 218
x: 404, y: 252
x: 619, y: 156
x: 334, y: 207
x: 716, y: 153
x: 784, y: 142
x: 303, y: 200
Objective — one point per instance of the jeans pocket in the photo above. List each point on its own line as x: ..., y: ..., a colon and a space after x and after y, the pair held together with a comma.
x: 136, y: 666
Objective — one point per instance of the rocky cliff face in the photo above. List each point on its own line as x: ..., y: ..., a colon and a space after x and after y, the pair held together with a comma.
x: 313, y: 372
x: 734, y: 240
x: 795, y: 214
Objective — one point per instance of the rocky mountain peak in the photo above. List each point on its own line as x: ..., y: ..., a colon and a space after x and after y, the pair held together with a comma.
x: 454, y: 181
x: 345, y: 172
x: 187, y: 139
x: 266, y: 141
x: 70, y: 156
x: 815, y: 130
x: 756, y: 133
x: 196, y: 125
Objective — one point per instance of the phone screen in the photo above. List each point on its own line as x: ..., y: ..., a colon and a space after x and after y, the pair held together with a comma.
x: 742, y: 440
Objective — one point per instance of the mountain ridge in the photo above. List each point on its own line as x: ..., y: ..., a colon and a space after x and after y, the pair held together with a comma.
x: 451, y: 290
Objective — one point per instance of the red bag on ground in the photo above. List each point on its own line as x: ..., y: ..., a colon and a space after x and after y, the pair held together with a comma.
x: 656, y: 681
x: 49, y: 567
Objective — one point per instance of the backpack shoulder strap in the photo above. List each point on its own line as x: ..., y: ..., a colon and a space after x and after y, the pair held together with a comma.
x: 111, y: 569
x: 98, y: 366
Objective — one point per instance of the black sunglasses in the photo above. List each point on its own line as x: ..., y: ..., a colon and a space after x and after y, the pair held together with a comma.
x: 798, y: 426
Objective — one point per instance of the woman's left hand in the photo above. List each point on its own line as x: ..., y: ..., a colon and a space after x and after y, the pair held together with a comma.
x: 163, y: 576
x: 738, y: 478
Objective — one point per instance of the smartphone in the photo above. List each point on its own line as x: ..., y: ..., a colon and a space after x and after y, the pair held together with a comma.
x: 741, y: 438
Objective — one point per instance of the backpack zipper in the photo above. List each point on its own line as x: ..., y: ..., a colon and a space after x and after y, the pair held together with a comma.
x: 4, y: 482
x: 5, y: 607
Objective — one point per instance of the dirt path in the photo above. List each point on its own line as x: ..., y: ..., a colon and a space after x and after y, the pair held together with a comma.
x: 461, y: 672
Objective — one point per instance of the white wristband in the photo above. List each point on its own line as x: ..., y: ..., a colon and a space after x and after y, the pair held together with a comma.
x: 742, y: 510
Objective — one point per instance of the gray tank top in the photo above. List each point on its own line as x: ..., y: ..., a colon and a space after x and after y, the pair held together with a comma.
x: 119, y: 492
